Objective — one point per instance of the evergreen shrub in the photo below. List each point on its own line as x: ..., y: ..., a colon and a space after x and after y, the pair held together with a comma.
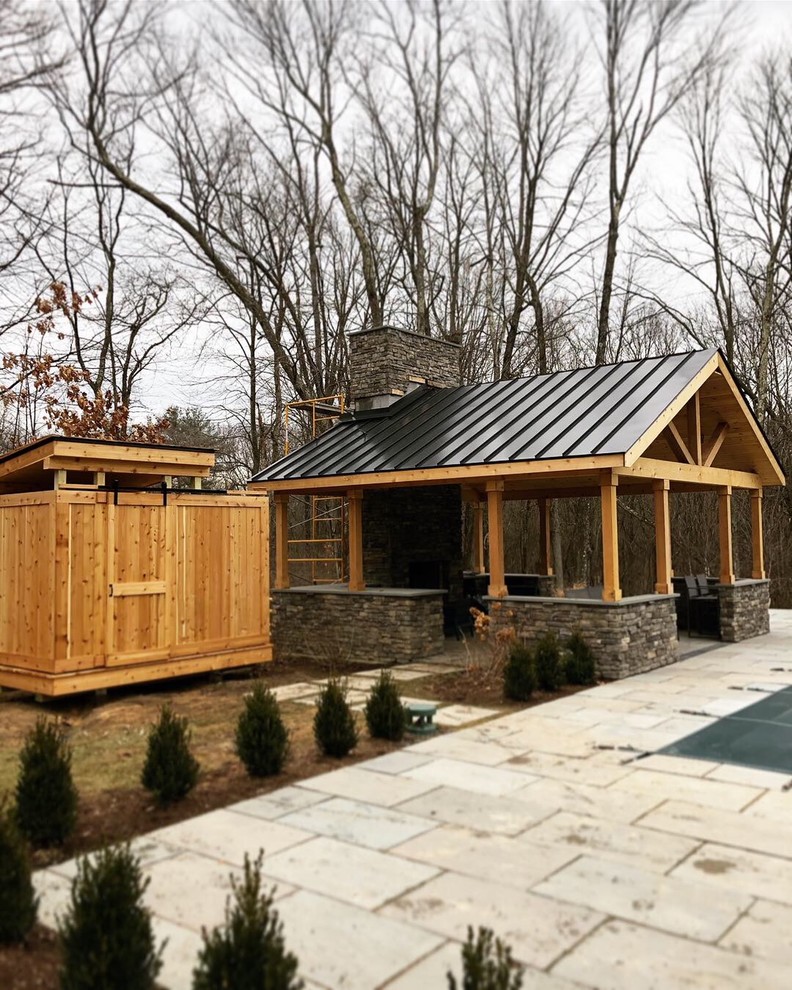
x: 580, y: 665
x: 519, y: 673
x: 335, y: 731
x: 249, y: 952
x: 170, y: 771
x: 549, y: 668
x: 262, y: 740
x: 384, y: 711
x: 487, y: 964
x: 18, y: 903
x: 46, y: 798
x: 106, y: 933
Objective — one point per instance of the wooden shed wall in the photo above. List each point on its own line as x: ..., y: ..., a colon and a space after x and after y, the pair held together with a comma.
x: 130, y: 591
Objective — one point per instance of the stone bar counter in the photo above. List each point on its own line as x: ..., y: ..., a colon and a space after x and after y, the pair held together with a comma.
x: 627, y: 637
x: 382, y: 625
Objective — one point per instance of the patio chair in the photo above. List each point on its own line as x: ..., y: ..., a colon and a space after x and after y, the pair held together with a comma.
x: 703, y: 608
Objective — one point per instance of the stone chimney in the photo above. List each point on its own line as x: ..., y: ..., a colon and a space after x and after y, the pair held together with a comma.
x: 386, y: 363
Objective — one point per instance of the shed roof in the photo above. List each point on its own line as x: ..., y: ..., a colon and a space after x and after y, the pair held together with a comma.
x: 31, y: 466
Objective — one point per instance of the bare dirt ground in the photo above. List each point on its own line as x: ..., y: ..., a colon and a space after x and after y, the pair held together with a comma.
x: 108, y: 738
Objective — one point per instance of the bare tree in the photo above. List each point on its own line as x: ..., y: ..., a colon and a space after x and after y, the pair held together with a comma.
x: 649, y: 65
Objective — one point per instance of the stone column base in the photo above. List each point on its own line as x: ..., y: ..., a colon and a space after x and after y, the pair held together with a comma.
x: 626, y: 637
x: 744, y: 609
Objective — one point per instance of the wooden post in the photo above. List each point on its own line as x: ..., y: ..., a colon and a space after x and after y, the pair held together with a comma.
x: 725, y: 526
x: 694, y: 428
x: 355, y: 509
x: 611, y: 591
x: 545, y: 544
x: 478, y: 538
x: 281, y: 540
x: 757, y: 536
x: 663, y: 585
x: 497, y: 567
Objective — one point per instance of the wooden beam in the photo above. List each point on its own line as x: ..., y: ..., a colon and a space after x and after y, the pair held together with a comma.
x: 677, y: 444
x: 281, y: 540
x: 478, y: 538
x: 650, y: 467
x: 497, y: 566
x: 714, y: 444
x: 725, y: 534
x: 545, y: 544
x: 355, y: 510
x: 663, y: 584
x: 757, y: 536
x: 474, y: 474
x: 611, y: 590
x: 694, y: 428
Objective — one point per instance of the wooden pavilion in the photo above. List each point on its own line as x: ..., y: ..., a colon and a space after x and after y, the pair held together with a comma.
x: 111, y: 575
x: 656, y: 426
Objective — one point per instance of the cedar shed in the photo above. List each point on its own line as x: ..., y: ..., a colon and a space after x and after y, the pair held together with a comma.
x: 110, y: 575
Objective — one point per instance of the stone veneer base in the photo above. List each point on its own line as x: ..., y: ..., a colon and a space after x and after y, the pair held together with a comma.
x: 744, y: 609
x: 627, y: 637
x: 332, y: 623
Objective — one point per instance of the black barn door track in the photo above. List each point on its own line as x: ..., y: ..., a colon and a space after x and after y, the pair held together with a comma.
x: 758, y: 736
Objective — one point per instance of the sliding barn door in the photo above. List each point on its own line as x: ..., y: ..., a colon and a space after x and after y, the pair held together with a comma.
x: 140, y: 585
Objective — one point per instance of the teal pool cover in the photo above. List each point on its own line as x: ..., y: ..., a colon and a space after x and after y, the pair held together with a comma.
x: 758, y: 736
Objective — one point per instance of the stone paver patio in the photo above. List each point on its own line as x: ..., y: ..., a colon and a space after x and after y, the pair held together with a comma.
x: 601, y: 867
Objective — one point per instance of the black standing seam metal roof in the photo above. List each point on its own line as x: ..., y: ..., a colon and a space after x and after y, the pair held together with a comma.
x: 582, y: 413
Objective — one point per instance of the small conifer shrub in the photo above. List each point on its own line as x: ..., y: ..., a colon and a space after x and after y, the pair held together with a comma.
x: 249, y: 952
x: 18, y: 903
x: 170, y: 771
x: 487, y: 964
x: 519, y: 673
x: 46, y: 798
x: 106, y: 933
x: 262, y: 740
x: 385, y: 716
x: 334, y: 726
x: 549, y: 669
x: 580, y: 665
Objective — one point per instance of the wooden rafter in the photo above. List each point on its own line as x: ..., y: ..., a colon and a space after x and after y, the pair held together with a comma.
x: 714, y: 444
x: 677, y: 444
x: 694, y: 428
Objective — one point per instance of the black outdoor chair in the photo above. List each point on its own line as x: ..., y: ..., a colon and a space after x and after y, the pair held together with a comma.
x: 703, y: 608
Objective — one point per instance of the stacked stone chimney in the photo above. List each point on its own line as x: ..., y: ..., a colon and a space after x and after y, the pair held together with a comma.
x: 387, y: 362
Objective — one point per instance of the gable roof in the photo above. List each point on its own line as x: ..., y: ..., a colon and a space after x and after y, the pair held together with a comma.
x: 608, y: 410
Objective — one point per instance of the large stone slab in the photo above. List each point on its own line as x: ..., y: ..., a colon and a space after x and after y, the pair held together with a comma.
x: 503, y: 815
x: 664, y: 786
x: 499, y: 858
x: 278, y: 803
x: 765, y: 931
x: 681, y: 907
x: 631, y: 844
x: 623, y: 956
x: 724, y: 827
x: 342, y: 946
x: 727, y: 869
x: 470, y: 776
x: 227, y: 836
x: 363, y: 877
x: 538, y: 929
x: 363, y: 784
x: 361, y: 824
x: 581, y: 799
